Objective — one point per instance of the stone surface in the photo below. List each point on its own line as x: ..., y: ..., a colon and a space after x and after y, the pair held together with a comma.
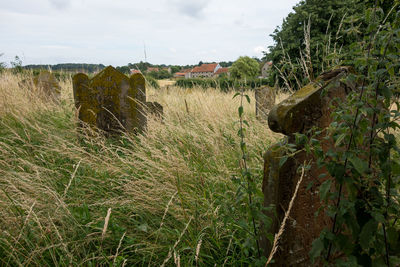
x: 155, y: 109
x: 111, y: 101
x: 310, y: 106
x: 48, y: 84
x: 265, y: 100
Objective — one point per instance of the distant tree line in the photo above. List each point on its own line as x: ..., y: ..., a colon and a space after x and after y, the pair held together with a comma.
x: 72, y: 67
x: 142, y: 66
x: 224, y: 84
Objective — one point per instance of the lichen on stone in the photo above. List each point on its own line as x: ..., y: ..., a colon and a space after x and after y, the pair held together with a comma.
x: 110, y: 101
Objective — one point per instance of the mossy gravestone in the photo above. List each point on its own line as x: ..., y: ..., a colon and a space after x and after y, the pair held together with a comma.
x: 265, y: 100
x: 155, y: 109
x: 48, y: 84
x: 111, y: 101
x: 308, y: 107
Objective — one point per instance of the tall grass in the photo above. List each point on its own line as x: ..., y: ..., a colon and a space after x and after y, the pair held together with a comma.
x: 69, y: 199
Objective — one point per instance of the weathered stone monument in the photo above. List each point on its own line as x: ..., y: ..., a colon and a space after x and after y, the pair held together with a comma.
x: 111, y: 101
x: 265, y: 100
x: 48, y: 84
x: 155, y: 109
x: 308, y: 107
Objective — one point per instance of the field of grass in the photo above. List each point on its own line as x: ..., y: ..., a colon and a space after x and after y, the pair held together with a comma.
x: 159, y: 199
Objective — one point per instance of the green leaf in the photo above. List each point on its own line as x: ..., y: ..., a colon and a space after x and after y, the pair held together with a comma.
x: 367, y: 233
x: 248, y: 98
x: 392, y: 235
x: 317, y: 247
x: 340, y: 139
x: 282, y: 161
x: 235, y: 95
x: 310, y: 184
x: 240, y: 109
x: 360, y: 165
x: 391, y: 71
x: 324, y: 189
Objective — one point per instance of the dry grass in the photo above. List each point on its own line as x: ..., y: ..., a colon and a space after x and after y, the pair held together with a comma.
x: 56, y: 188
x: 166, y: 82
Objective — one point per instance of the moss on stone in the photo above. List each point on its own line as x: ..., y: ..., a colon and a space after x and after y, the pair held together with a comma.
x: 138, y: 85
x: 108, y: 100
x: 287, y: 116
x: 85, y: 100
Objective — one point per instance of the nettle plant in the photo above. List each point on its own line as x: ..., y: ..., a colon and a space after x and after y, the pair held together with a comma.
x: 363, y: 196
x: 243, y: 212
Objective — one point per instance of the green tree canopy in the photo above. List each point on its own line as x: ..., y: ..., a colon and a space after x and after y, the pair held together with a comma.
x: 244, y: 68
x: 331, y: 26
x: 2, y: 64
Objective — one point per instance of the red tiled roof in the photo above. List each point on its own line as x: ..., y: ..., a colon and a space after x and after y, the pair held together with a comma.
x: 133, y: 71
x: 152, y: 69
x: 185, y: 70
x: 222, y: 70
x: 179, y: 74
x: 205, y: 68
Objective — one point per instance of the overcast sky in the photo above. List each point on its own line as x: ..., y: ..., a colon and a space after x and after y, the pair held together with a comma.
x: 116, y: 31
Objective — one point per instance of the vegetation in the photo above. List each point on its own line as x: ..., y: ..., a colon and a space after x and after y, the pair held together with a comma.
x: 171, y: 196
x: 362, y: 198
x: 161, y: 74
x: 314, y: 32
x: 245, y: 68
x: 189, y: 192
x: 69, y: 67
x: 224, y: 84
x: 124, y: 69
x: 2, y: 64
x: 16, y: 65
x: 151, y: 82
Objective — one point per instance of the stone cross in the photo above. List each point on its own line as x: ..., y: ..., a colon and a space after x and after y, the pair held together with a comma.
x: 111, y: 101
x: 308, y: 107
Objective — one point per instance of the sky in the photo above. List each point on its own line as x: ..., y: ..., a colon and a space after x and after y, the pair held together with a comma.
x: 118, y: 32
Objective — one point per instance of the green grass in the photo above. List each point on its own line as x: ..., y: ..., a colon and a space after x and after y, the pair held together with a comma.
x: 167, y: 191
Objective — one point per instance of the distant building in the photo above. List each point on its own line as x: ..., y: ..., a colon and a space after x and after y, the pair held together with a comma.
x: 168, y: 69
x: 266, y: 69
x: 179, y: 75
x: 205, y: 70
x: 150, y: 69
x: 133, y: 71
x: 221, y: 71
x: 182, y: 73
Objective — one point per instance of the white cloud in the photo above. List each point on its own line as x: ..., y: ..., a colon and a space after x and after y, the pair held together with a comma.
x: 259, y: 49
x: 101, y: 31
x: 55, y: 46
x: 60, y: 4
x: 191, y: 8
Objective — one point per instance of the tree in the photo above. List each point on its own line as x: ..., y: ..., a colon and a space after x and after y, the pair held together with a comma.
x: 175, y: 69
x: 161, y: 74
x: 142, y: 66
x: 2, y: 64
x: 244, y: 68
x: 124, y: 69
x: 328, y: 22
x: 16, y: 65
